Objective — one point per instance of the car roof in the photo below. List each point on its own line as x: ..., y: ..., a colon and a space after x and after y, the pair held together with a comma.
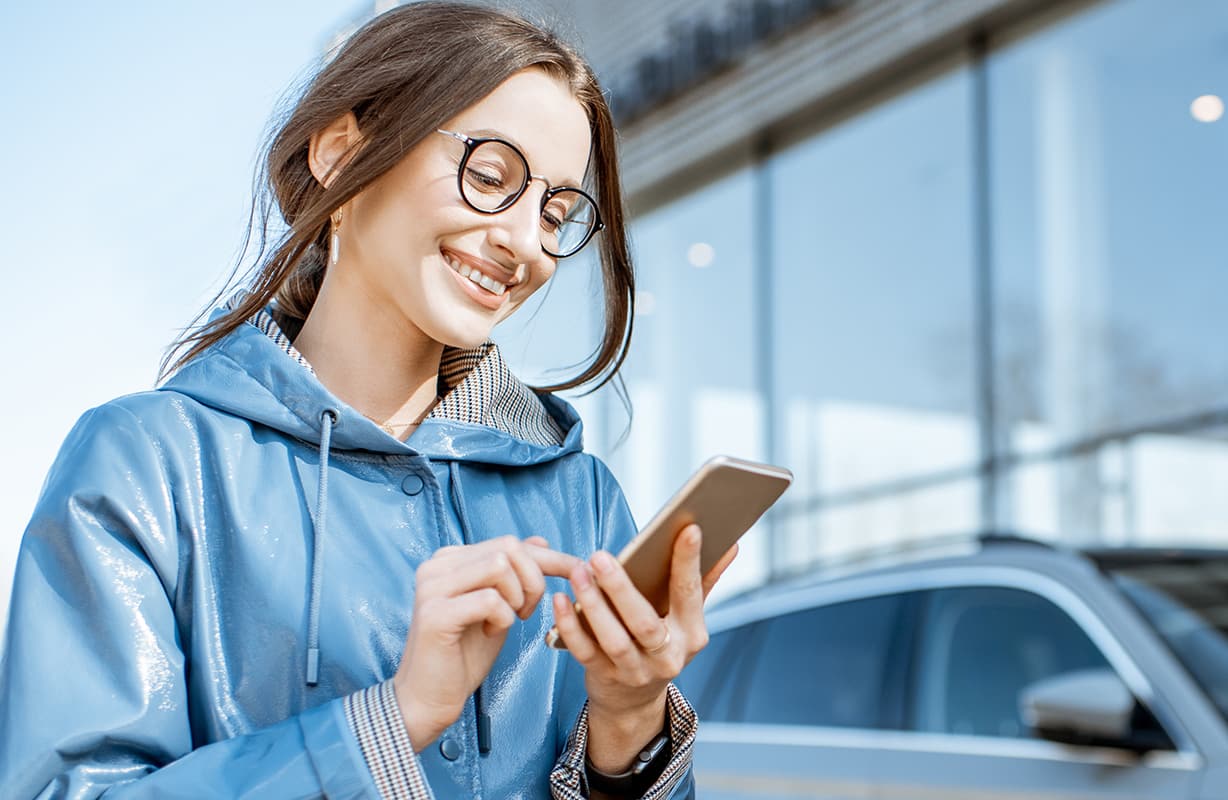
x: 989, y: 549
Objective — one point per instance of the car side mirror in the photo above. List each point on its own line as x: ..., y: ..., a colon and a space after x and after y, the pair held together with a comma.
x: 1089, y: 707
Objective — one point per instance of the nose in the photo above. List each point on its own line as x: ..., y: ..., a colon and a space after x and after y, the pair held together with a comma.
x: 517, y: 230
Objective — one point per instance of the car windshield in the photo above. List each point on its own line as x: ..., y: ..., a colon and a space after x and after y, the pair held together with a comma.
x: 1186, y: 600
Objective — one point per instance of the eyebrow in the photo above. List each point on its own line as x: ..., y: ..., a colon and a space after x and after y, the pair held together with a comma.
x: 478, y: 133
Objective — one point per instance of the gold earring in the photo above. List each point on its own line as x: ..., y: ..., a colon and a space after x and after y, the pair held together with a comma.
x: 334, y: 249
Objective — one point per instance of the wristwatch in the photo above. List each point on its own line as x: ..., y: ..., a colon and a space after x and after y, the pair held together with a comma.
x: 648, y: 765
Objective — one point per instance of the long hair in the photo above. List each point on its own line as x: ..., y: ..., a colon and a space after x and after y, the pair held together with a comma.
x: 404, y: 74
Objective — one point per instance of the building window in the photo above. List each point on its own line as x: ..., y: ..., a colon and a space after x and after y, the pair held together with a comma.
x: 1108, y: 202
x: 691, y: 372
x: 872, y: 294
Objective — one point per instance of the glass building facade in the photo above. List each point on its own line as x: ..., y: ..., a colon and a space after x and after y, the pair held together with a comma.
x: 989, y: 299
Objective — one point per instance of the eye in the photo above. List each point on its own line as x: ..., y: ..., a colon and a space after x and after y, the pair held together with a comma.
x: 483, y: 178
x: 554, y: 215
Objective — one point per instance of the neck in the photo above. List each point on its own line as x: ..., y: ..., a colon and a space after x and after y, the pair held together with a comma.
x: 370, y: 356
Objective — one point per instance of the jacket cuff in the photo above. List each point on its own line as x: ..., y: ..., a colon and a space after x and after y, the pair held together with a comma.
x: 375, y: 717
x: 567, y: 780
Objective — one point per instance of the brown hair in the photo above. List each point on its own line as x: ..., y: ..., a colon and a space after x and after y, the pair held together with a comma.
x: 404, y: 74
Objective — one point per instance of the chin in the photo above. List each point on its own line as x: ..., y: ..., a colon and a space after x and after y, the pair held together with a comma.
x: 466, y: 339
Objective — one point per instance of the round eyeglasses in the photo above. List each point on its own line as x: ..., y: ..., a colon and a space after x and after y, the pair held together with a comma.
x: 493, y: 175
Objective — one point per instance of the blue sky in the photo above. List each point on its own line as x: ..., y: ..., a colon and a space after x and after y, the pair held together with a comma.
x: 130, y: 132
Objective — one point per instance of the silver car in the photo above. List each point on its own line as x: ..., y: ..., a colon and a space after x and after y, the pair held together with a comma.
x: 1016, y: 671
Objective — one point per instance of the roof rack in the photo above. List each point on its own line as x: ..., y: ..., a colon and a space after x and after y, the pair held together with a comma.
x: 997, y: 539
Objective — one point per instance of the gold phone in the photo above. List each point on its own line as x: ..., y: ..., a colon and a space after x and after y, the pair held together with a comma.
x: 725, y: 496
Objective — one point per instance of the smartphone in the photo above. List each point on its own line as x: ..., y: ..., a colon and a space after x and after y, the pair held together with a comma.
x: 725, y: 496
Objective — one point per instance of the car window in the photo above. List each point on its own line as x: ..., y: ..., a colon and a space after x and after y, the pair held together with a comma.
x: 823, y: 666
x: 1186, y: 601
x: 980, y: 647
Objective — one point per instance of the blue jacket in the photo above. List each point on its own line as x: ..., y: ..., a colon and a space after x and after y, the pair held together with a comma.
x: 217, y: 583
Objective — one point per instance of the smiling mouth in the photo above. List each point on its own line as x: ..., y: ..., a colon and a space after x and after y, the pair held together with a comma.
x: 474, y: 276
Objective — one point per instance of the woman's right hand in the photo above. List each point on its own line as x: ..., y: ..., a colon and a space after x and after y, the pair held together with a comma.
x: 465, y: 600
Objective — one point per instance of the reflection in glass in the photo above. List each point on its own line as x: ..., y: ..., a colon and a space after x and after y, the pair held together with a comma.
x: 1186, y: 600
x: 1152, y: 489
x: 824, y: 666
x: 1108, y: 203
x: 849, y: 527
x: 872, y: 297
x: 691, y: 370
x: 981, y: 648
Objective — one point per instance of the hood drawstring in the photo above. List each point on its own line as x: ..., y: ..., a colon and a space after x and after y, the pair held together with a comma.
x: 328, y: 418
x: 458, y: 501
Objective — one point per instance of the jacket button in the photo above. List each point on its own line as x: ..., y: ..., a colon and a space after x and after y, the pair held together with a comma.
x: 450, y: 749
x: 412, y: 484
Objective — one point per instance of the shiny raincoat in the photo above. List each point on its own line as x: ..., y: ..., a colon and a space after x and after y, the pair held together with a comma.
x: 217, y: 582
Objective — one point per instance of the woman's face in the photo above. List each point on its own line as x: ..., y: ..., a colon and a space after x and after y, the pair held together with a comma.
x: 406, y: 238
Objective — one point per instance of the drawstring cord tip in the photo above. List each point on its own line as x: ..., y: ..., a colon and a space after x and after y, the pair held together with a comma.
x: 313, y: 666
x: 483, y: 733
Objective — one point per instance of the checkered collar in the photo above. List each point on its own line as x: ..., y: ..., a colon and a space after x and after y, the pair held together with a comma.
x: 476, y: 386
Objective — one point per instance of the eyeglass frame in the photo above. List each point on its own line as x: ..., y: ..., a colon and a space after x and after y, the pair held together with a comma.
x: 472, y: 142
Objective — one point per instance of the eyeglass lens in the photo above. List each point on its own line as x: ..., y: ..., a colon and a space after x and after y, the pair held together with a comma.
x: 496, y: 174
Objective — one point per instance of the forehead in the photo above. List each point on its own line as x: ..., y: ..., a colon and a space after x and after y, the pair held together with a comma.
x: 539, y: 115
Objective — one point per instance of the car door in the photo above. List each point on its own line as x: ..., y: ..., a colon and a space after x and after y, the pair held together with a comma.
x: 790, y: 705
x: 978, y: 648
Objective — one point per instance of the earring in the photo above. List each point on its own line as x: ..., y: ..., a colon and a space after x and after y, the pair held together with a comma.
x: 334, y: 250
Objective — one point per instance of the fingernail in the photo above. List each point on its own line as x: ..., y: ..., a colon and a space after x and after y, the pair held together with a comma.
x: 581, y: 578
x: 602, y: 562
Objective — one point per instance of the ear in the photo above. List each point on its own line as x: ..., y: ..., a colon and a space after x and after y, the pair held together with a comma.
x: 328, y: 146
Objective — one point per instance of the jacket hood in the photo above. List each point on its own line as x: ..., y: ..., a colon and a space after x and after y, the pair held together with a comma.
x: 486, y: 414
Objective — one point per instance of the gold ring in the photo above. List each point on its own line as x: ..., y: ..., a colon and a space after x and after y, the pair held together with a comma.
x: 652, y: 651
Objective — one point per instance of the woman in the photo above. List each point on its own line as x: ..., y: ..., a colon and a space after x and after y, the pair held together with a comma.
x: 311, y: 563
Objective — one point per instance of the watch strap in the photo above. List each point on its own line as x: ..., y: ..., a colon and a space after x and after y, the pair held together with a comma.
x: 649, y: 763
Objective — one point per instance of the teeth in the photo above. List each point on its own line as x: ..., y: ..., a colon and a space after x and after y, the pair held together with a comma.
x: 489, y: 284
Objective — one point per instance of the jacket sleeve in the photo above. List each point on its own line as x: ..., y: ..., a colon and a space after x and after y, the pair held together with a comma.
x: 616, y: 527
x: 93, y: 695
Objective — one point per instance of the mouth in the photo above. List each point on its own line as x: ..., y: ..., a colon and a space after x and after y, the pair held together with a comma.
x: 475, y: 277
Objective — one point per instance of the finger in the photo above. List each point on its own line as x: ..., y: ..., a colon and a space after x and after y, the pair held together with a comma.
x: 718, y: 569
x: 611, y: 635
x: 532, y: 582
x: 686, y: 596
x: 484, y: 606
x: 480, y: 569
x: 639, y: 617
x: 553, y: 562
x: 528, y: 557
x: 443, y: 561
x: 579, y: 641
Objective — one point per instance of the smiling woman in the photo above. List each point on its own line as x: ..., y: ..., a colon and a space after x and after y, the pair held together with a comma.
x: 312, y: 562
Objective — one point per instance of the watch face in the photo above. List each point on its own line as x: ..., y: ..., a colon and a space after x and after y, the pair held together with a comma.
x: 656, y: 750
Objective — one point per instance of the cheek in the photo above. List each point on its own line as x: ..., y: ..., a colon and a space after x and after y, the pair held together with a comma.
x: 543, y: 273
x: 534, y: 284
x: 397, y: 214
x: 537, y: 282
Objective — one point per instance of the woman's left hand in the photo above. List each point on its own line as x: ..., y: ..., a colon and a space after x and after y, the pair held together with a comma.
x: 629, y: 652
